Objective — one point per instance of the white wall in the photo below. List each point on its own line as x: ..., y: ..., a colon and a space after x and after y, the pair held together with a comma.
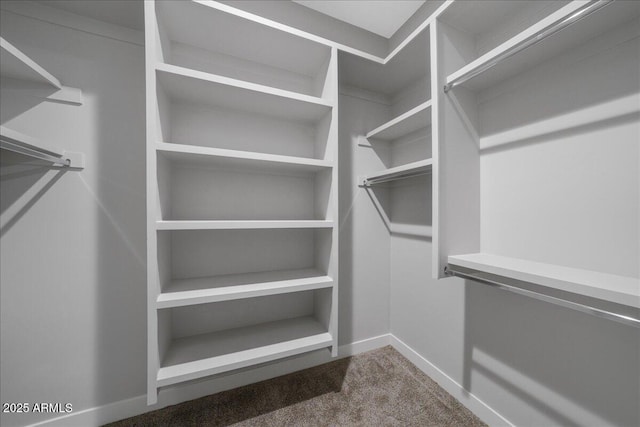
x: 364, y: 239
x: 73, y: 243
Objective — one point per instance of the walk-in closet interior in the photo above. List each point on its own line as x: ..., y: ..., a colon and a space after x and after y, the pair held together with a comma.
x: 203, y: 195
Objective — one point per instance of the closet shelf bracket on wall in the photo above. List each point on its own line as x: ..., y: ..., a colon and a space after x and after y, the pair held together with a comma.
x: 16, y: 142
x: 475, y: 69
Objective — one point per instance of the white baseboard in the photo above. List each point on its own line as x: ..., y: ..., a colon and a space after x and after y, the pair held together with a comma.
x: 477, y: 406
x: 138, y: 405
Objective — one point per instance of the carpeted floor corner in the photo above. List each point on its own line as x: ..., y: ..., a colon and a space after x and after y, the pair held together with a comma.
x: 377, y: 388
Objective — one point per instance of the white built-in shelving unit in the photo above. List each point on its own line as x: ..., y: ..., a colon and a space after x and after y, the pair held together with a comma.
x: 548, y: 82
x: 242, y: 192
x: 21, y: 73
x: 402, y: 143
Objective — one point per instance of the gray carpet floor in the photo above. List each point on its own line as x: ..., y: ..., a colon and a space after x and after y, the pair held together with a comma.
x: 377, y: 388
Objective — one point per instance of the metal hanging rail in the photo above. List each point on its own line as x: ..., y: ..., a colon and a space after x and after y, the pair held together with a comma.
x: 583, y: 12
x: 367, y: 182
x: 617, y: 317
x: 17, y: 146
x: 421, y: 167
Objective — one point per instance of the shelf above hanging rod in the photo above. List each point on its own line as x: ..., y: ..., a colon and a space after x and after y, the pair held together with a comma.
x: 497, y: 282
x: 17, y: 142
x: 529, y: 41
x: 421, y: 167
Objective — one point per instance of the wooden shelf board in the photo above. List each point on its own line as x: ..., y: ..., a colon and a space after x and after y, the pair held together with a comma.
x: 241, y: 225
x: 219, y: 91
x: 278, y: 47
x: 209, y: 354
x: 411, y: 229
x: 602, y: 286
x: 409, y: 122
x: 580, y: 32
x: 28, y: 141
x: 236, y: 286
x: 419, y: 166
x: 241, y: 159
x: 15, y: 64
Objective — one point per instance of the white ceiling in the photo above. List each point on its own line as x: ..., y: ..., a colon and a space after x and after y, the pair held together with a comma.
x: 382, y: 17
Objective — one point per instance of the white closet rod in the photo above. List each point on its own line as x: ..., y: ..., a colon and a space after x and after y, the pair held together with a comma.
x: 583, y: 12
x: 367, y: 182
x: 617, y: 317
x: 7, y: 143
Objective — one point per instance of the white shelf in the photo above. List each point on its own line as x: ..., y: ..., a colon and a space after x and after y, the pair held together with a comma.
x: 255, y: 50
x: 240, y: 159
x: 602, y: 286
x: 15, y: 64
x: 219, y: 91
x: 209, y: 354
x: 578, y: 33
x: 404, y: 171
x: 26, y: 145
x: 409, y: 122
x: 19, y: 68
x: 411, y: 229
x: 241, y: 225
x: 236, y: 286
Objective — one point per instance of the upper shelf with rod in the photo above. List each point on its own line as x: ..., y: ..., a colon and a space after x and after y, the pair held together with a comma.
x: 17, y: 142
x: 20, y: 72
x: 606, y: 295
x: 503, y: 60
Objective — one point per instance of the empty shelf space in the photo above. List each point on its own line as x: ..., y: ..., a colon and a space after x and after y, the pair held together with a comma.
x: 209, y: 354
x: 240, y: 225
x: 216, y: 40
x: 409, y: 122
x: 239, y: 159
x: 405, y: 171
x: 543, y: 41
x: 235, y: 286
x: 16, y: 65
x: 211, y: 89
x: 601, y: 286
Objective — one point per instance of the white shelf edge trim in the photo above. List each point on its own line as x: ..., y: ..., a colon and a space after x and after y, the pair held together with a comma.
x: 409, y: 170
x: 547, y: 27
x: 228, y: 293
x: 23, y: 144
x: 241, y: 84
x: 241, y: 359
x: 17, y: 65
x: 28, y: 65
x: 241, y: 155
x: 401, y: 118
x: 241, y: 225
x: 602, y: 286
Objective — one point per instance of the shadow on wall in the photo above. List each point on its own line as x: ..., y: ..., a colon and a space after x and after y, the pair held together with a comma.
x: 23, y: 182
x: 575, y: 368
x: 405, y: 206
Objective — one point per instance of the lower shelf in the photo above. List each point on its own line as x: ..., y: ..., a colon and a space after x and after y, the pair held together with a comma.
x: 209, y: 354
x: 601, y: 286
